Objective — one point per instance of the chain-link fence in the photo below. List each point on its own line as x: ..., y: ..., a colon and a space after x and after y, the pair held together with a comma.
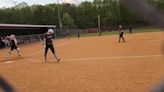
x: 59, y: 33
x: 70, y: 32
x: 29, y: 38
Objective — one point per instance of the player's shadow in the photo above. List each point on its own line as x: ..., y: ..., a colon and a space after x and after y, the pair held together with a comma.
x: 52, y: 62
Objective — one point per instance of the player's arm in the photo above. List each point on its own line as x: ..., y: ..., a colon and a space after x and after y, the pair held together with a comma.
x: 41, y: 40
x: 16, y: 42
x: 121, y: 30
x: 44, y: 41
x: 118, y: 30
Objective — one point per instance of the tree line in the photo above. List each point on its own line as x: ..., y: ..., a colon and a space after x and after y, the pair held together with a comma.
x: 84, y: 15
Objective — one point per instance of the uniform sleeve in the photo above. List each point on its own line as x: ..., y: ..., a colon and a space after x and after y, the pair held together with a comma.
x: 16, y: 42
x: 44, y: 38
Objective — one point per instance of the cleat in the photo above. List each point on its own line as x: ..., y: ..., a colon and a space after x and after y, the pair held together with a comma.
x: 59, y: 61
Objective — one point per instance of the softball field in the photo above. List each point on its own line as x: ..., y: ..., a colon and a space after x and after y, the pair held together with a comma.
x: 91, y: 64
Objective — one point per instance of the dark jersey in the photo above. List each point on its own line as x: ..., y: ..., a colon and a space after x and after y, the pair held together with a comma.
x: 12, y: 43
x: 120, y: 30
x: 48, y: 38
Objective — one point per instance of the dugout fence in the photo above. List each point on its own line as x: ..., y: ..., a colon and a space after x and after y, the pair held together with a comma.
x: 59, y: 33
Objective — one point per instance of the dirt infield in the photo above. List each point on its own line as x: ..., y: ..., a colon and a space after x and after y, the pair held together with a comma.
x: 91, y: 64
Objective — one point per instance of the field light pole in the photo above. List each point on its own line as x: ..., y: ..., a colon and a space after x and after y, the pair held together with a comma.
x: 99, y: 25
x: 98, y: 21
x: 60, y: 24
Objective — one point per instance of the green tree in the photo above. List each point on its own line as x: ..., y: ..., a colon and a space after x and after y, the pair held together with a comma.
x: 83, y: 16
x: 67, y: 21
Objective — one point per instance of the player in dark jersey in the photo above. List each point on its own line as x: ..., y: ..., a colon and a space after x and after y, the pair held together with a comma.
x: 78, y: 35
x: 121, y: 33
x: 49, y: 44
x: 13, y: 44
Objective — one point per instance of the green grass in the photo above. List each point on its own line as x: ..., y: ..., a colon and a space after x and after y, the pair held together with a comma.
x: 140, y: 30
x: 137, y: 30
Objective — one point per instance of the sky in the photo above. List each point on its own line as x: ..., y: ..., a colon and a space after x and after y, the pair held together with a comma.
x: 10, y: 3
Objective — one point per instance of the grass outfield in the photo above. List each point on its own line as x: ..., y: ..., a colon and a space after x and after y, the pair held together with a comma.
x: 136, y: 30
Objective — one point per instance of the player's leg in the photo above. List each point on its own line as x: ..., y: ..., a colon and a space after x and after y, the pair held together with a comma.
x: 54, y: 53
x: 123, y: 37
x: 9, y: 53
x: 46, y: 50
x: 18, y: 51
x: 11, y: 50
x: 119, y: 38
x: 78, y: 36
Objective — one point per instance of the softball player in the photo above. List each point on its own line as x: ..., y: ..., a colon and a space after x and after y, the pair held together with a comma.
x: 121, y: 34
x: 78, y: 35
x: 48, y: 44
x: 13, y: 44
